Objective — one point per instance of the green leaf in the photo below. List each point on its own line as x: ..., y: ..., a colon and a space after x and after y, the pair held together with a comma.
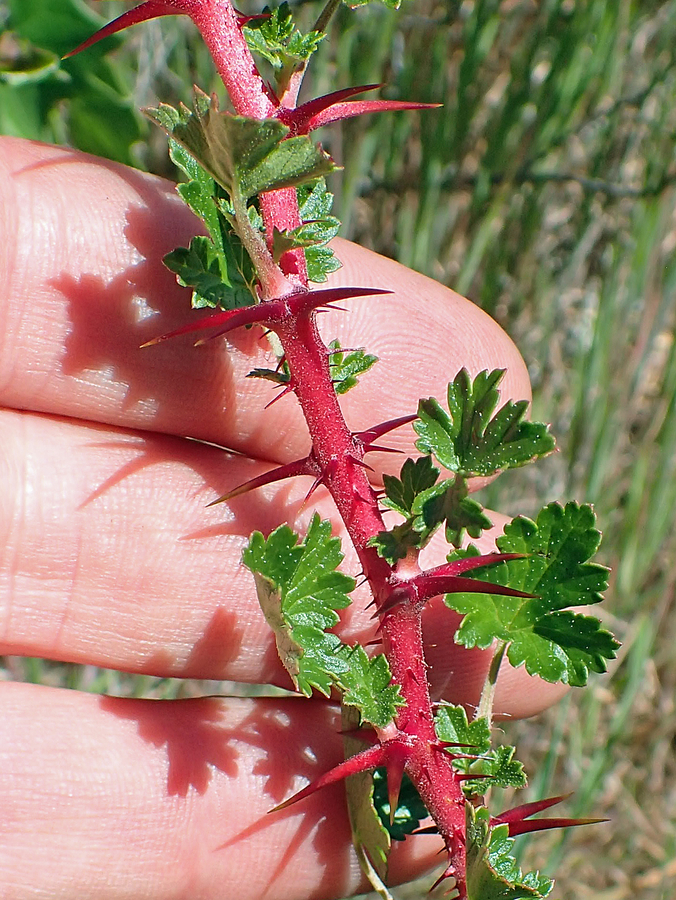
x: 472, y: 439
x: 450, y: 724
x: 299, y: 591
x: 394, y: 544
x: 367, y: 685
x: 245, y: 156
x: 499, y: 763
x: 320, y: 262
x: 318, y: 228
x: 425, y: 504
x: 346, y: 366
x: 410, y: 809
x: 449, y: 502
x: 550, y: 640
x: 199, y: 267
x: 415, y: 477
x: 218, y: 268
x: 277, y: 39
x: 492, y: 873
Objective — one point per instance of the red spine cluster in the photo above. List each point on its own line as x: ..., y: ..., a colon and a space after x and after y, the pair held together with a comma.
x: 410, y: 746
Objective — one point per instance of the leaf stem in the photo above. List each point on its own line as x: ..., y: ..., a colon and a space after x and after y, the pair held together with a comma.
x: 485, y: 708
x: 273, y: 282
x: 326, y: 15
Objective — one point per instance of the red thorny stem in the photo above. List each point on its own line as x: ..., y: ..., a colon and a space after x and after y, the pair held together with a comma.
x: 220, y: 27
x: 411, y: 744
x: 339, y: 457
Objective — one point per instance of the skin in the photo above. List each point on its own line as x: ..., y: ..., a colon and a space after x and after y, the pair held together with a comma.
x: 110, y: 558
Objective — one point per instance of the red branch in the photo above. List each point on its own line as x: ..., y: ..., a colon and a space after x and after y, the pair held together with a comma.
x: 336, y: 459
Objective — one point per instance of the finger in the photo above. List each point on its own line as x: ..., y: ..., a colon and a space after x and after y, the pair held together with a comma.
x: 170, y: 799
x: 84, y: 286
x: 110, y: 557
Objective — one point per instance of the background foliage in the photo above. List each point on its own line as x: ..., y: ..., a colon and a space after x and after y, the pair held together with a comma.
x: 544, y: 191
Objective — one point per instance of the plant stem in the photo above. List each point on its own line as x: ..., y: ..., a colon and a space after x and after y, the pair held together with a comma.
x: 326, y: 15
x: 485, y: 708
x: 250, y: 96
x: 339, y: 455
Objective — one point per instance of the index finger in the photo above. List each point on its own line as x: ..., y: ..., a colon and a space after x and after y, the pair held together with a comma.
x: 85, y: 287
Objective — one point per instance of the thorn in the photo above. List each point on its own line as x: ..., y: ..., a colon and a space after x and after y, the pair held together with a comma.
x: 304, y: 302
x: 289, y: 470
x: 287, y: 388
x: 372, y: 434
x: 360, y: 462
x: 370, y: 758
x: 445, y: 745
x: 516, y: 813
x: 528, y: 827
x: 428, y: 829
x: 298, y: 119
x: 449, y: 872
x: 148, y: 10
x: 370, y: 448
x: 259, y: 314
x: 395, y: 773
x: 315, y: 484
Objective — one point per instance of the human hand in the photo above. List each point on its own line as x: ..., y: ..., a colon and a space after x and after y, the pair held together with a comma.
x: 110, y: 558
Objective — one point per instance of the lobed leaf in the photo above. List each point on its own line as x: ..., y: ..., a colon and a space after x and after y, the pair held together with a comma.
x: 276, y: 38
x: 425, y: 504
x: 245, y: 156
x: 347, y: 365
x: 217, y: 267
x: 367, y: 685
x: 542, y: 634
x: 471, y: 438
x: 449, y: 502
x: 492, y: 873
x: 300, y: 589
x: 318, y: 228
x: 415, y: 477
x: 452, y: 726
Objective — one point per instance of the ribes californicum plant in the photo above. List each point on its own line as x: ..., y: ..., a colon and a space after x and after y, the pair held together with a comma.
x: 257, y: 180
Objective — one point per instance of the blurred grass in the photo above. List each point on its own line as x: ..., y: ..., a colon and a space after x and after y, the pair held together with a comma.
x: 544, y: 190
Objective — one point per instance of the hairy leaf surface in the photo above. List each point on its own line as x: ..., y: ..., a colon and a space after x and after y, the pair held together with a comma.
x: 471, y: 438
x: 318, y: 228
x: 217, y: 268
x: 300, y: 589
x: 367, y: 685
x: 545, y: 636
x: 347, y: 365
x: 492, y: 873
x: 245, y: 156
x: 277, y: 39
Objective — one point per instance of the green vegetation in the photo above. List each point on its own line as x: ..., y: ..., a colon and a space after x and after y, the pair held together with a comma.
x: 542, y: 190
